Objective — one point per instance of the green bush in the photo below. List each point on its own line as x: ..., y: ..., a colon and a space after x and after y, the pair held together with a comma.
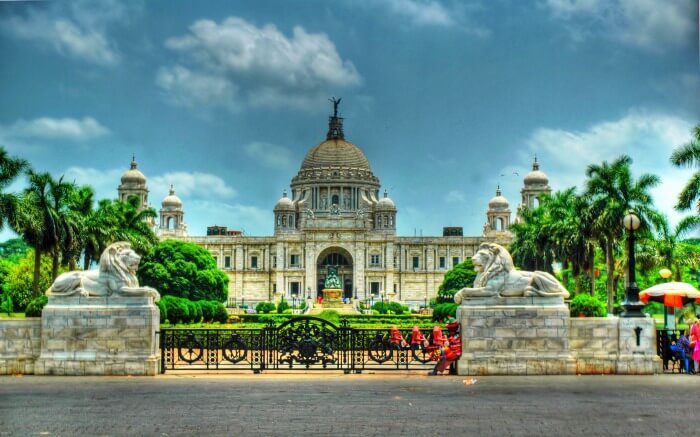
x: 35, y: 306
x: 163, y: 311
x: 177, y: 309
x: 6, y: 304
x: 264, y: 307
x: 208, y: 307
x: 195, y: 311
x: 330, y: 316
x: 443, y: 311
x: 282, y: 306
x: 380, y: 307
x: 587, y: 306
x: 220, y: 312
x: 396, y: 308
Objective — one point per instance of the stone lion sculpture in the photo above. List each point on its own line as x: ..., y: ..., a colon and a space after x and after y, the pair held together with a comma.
x: 116, y: 276
x: 497, y: 277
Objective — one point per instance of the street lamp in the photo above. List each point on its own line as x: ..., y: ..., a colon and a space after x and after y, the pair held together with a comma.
x: 632, y: 306
x: 666, y: 273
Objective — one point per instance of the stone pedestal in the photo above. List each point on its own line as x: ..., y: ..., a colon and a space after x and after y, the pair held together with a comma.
x: 332, y: 298
x: 99, y: 336
x: 515, y: 336
x: 637, y: 347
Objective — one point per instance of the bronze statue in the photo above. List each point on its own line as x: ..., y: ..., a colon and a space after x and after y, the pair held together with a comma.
x: 332, y: 280
x: 335, y: 102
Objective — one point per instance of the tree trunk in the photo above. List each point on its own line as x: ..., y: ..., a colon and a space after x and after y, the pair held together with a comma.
x: 72, y: 264
x: 610, y: 261
x: 37, y: 272
x: 54, y: 266
x: 577, y: 284
x: 86, y: 262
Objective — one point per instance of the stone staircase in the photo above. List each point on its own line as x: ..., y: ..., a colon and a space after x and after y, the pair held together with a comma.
x: 346, y: 308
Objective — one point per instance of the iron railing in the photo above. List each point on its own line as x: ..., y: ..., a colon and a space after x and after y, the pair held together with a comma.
x: 301, y: 343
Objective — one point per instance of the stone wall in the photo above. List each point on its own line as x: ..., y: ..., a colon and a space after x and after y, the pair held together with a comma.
x: 20, y: 344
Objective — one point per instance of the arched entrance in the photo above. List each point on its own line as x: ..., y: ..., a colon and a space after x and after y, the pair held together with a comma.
x: 337, y: 257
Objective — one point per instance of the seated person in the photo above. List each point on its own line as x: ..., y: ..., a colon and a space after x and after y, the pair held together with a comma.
x: 452, y: 349
x: 681, y: 349
x: 396, y: 339
x: 418, y: 340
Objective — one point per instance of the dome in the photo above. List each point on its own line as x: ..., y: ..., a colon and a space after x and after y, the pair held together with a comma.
x: 536, y: 177
x: 498, y: 202
x: 385, y: 202
x: 133, y: 175
x: 171, y: 200
x: 284, y: 202
x: 335, y: 152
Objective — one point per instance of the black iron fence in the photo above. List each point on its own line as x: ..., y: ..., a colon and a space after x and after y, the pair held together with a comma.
x: 302, y: 343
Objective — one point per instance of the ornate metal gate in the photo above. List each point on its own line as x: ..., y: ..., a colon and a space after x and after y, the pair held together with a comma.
x: 302, y: 343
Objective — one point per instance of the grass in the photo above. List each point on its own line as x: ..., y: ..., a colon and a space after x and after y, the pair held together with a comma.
x: 12, y: 316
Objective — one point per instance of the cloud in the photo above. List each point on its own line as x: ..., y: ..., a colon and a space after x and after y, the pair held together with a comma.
x: 649, y: 138
x: 47, y: 128
x: 254, y: 66
x: 455, y: 196
x: 269, y: 155
x: 422, y: 13
x: 76, y: 29
x: 250, y: 219
x: 195, y: 185
x: 647, y: 24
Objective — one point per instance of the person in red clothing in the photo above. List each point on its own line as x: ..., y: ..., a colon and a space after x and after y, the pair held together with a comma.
x: 451, y: 350
x: 418, y: 340
x: 396, y: 339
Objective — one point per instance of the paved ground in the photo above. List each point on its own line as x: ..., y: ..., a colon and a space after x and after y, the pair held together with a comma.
x: 347, y: 405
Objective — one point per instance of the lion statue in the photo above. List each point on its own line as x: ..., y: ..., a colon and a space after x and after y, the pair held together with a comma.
x: 116, y: 275
x: 497, y: 277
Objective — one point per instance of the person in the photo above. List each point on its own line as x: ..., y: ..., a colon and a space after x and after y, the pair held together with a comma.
x: 437, y: 342
x: 418, y: 340
x: 396, y: 339
x: 452, y: 349
x: 682, y: 349
x: 695, y: 344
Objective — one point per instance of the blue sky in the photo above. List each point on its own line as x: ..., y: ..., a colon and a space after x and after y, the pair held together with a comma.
x: 448, y: 99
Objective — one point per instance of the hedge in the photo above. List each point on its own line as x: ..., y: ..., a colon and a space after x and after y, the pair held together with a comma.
x: 35, y: 306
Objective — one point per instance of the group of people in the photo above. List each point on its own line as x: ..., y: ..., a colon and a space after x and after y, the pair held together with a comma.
x: 443, y: 349
x: 687, y: 348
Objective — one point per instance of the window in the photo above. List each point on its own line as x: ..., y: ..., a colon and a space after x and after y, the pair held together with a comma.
x: 374, y: 287
x: 253, y: 262
x: 274, y: 261
x: 227, y: 262
x: 416, y: 262
x: 294, y: 288
x: 455, y: 261
x: 374, y: 260
x: 335, y: 200
x: 442, y: 262
x: 294, y: 260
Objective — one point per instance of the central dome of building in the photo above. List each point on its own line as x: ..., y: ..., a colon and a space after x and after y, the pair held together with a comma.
x: 335, y: 152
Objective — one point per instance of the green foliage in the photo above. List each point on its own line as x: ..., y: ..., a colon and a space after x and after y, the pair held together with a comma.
x: 220, y: 312
x: 195, y: 311
x: 13, y: 249
x: 380, y: 307
x: 177, y: 309
x: 6, y: 304
x: 389, y: 308
x: 460, y: 276
x: 264, y: 307
x: 207, y: 307
x: 163, y: 311
x: 588, y: 306
x: 35, y: 306
x: 19, y: 278
x: 282, y: 306
x: 443, y: 311
x: 330, y: 316
x: 184, y: 270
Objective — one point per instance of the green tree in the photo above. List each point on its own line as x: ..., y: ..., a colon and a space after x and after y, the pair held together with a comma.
x: 184, y: 270
x: 133, y: 224
x: 67, y: 221
x: 10, y: 168
x: 688, y: 155
x: 672, y: 252
x: 13, y: 249
x: 531, y: 248
x: 613, y: 192
x: 19, y: 280
x: 460, y: 276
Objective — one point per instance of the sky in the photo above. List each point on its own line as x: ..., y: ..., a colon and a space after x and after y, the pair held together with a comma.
x: 447, y: 99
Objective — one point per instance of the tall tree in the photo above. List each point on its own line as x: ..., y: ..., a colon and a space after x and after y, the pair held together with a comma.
x: 10, y: 168
x: 673, y: 253
x: 67, y: 224
x: 613, y: 192
x: 688, y: 155
x: 133, y: 224
x: 531, y: 249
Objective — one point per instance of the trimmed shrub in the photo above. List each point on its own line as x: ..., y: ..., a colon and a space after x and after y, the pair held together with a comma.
x: 220, y: 312
x: 208, y: 307
x: 195, y: 311
x: 163, y: 311
x: 443, y: 311
x: 35, y: 306
x: 177, y: 309
x: 282, y: 306
x: 264, y: 307
x: 6, y: 304
x: 396, y: 308
x: 380, y: 307
x: 587, y: 306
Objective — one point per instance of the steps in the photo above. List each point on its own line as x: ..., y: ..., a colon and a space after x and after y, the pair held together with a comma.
x: 346, y: 308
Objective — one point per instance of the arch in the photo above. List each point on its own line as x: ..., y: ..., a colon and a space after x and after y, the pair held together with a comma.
x: 341, y: 258
x: 335, y: 200
x: 500, y: 224
x: 170, y: 223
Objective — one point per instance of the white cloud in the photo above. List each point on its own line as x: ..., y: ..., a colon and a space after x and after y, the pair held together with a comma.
x: 454, y: 196
x: 195, y: 185
x: 648, y: 24
x: 425, y: 13
x: 649, y: 138
x: 269, y: 155
x: 432, y: 14
x: 267, y: 68
x: 250, y: 219
x: 47, y: 128
x: 75, y: 29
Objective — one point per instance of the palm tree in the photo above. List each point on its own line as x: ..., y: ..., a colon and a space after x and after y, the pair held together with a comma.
x: 79, y: 211
x: 37, y: 221
x: 67, y: 224
x: 673, y: 253
x: 99, y: 231
x: 133, y: 224
x: 531, y: 248
x: 613, y: 192
x: 10, y: 168
x: 688, y: 155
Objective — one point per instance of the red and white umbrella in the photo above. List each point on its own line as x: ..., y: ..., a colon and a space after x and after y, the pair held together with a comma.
x: 671, y: 294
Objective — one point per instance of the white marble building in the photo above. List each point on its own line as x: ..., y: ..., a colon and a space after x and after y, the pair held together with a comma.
x: 335, y: 215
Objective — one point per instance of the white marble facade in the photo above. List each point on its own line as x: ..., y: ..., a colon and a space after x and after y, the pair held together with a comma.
x: 335, y: 214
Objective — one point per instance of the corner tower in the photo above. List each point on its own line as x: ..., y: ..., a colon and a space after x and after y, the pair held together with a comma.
x: 133, y: 183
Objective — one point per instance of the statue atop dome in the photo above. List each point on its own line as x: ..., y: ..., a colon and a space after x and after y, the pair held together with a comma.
x: 335, y: 102
x: 335, y: 123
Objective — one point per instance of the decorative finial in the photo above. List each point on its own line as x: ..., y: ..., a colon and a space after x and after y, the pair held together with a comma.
x: 535, y: 164
x: 335, y: 123
x: 172, y: 190
x: 385, y: 194
x: 284, y: 193
x: 133, y: 161
x: 498, y: 190
x: 335, y: 102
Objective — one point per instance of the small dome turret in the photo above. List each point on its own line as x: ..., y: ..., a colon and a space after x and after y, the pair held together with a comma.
x: 171, y: 200
x: 386, y: 202
x: 284, y: 202
x: 536, y: 177
x: 498, y: 202
x: 133, y: 175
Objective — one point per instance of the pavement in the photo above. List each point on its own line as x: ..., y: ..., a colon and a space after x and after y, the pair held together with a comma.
x: 335, y: 404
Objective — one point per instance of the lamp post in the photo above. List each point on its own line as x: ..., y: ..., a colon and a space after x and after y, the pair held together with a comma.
x: 294, y: 304
x: 666, y: 273
x: 632, y: 306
